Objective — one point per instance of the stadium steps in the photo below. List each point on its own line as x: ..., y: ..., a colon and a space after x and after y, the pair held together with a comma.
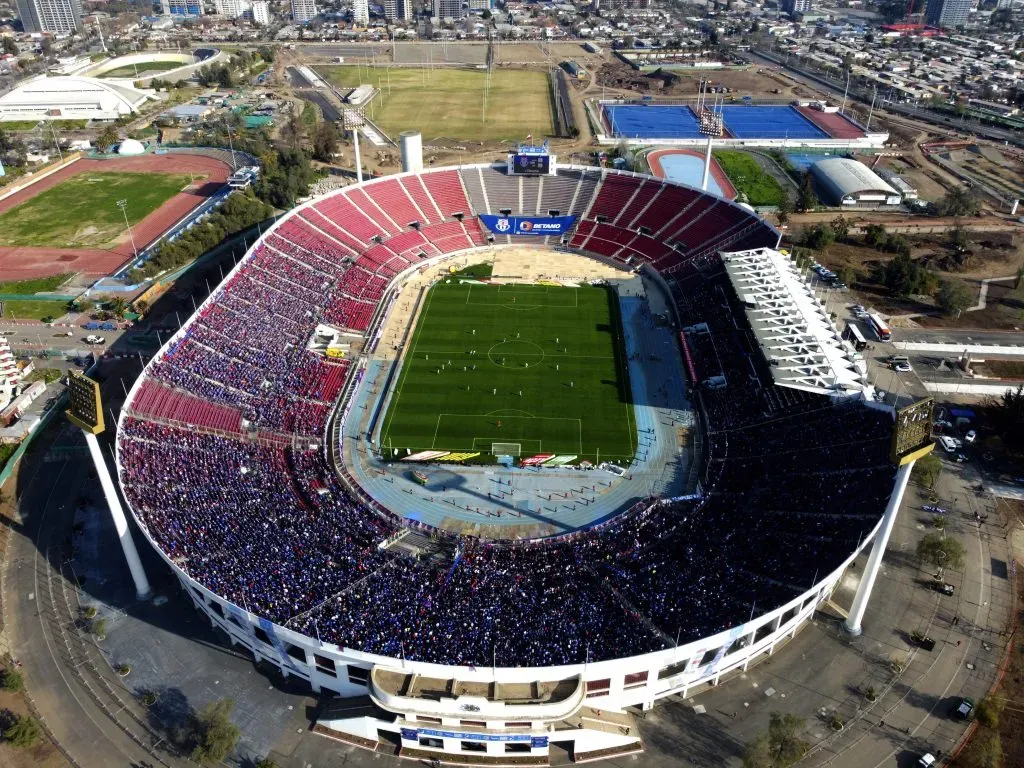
x: 416, y: 544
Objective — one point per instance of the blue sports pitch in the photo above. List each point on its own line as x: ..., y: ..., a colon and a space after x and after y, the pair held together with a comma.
x: 637, y: 121
x: 672, y: 121
x: 769, y: 122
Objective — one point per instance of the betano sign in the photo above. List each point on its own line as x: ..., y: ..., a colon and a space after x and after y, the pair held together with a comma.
x: 528, y: 225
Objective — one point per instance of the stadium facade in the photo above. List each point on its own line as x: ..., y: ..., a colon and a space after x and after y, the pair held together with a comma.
x: 408, y: 672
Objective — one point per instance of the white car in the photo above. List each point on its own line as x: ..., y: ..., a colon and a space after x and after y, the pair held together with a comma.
x: 902, y: 368
x: 971, y: 436
x: 927, y: 760
x: 92, y: 339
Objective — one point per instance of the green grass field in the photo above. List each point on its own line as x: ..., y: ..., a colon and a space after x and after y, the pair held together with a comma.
x: 447, y: 103
x: 748, y: 177
x: 33, y: 309
x: 82, y: 212
x: 550, y: 373
x: 35, y: 285
x: 143, y: 70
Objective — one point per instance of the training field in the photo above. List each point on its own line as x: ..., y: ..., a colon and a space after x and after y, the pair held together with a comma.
x: 447, y: 103
x: 561, y: 348
x: 82, y: 212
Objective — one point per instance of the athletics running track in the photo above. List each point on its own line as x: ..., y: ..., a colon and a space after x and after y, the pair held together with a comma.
x: 729, y: 192
x: 22, y: 263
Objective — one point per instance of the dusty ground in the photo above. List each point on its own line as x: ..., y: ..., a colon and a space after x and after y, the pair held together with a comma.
x: 616, y: 74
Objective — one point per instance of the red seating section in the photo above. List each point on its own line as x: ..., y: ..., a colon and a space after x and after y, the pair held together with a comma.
x: 160, y: 402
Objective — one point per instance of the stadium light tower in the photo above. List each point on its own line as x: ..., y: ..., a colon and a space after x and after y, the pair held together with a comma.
x: 85, y: 411
x: 353, y: 120
x: 123, y: 205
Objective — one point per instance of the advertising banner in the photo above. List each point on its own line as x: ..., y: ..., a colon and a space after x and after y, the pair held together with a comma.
x: 528, y: 225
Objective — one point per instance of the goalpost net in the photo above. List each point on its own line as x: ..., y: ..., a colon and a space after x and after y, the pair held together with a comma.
x: 507, y: 449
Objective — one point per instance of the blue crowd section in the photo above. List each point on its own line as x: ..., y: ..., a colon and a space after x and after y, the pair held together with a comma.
x: 665, y: 121
x: 767, y: 122
x: 635, y: 121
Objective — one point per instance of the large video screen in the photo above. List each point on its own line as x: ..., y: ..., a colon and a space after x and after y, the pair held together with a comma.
x: 536, y: 164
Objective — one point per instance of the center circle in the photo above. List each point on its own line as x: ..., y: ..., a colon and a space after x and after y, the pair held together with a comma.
x: 515, y: 353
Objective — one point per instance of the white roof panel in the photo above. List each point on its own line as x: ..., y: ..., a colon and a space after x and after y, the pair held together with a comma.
x: 803, y: 348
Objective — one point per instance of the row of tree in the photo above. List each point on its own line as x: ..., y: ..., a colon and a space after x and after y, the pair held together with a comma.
x: 242, y: 210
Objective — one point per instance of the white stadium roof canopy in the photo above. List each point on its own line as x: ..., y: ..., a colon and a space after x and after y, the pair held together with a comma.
x: 70, y: 97
x: 802, y: 346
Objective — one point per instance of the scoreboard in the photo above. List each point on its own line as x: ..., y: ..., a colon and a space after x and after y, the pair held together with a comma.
x: 530, y: 160
x: 86, y: 406
x: 531, y: 164
x: 912, y: 432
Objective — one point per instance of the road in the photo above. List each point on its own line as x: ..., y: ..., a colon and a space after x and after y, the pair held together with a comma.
x: 956, y: 336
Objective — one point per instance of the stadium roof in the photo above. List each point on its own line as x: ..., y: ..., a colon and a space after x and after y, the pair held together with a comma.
x: 849, y: 178
x: 70, y: 97
x: 802, y: 346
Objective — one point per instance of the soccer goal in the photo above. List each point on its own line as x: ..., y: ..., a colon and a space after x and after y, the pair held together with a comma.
x: 507, y: 449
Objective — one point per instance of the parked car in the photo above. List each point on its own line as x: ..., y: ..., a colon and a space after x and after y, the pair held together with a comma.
x: 93, y: 339
x: 971, y: 436
x: 943, y: 588
x: 927, y: 760
x: 964, y: 709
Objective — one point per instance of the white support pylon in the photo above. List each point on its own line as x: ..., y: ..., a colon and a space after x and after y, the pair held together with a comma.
x: 124, y: 534
x: 867, y: 582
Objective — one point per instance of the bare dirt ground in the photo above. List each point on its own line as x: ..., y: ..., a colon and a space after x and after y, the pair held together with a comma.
x: 618, y: 75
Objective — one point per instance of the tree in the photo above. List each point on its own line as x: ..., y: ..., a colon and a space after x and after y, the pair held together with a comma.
x: 23, y: 732
x: 778, y: 747
x: 959, y: 201
x: 904, y: 276
x: 10, y: 45
x: 847, y: 275
x: 1008, y: 418
x: 267, y: 53
x: 11, y: 680
x: 785, y: 208
x: 214, y: 734
x: 108, y: 137
x: 935, y: 549
x: 325, y: 142
x: 293, y: 132
x: 983, y: 751
x: 841, y: 227
x: 954, y: 297
x: 820, y: 237
x: 875, y: 235
x: 926, y: 470
x: 118, y: 306
x: 988, y: 711
x: 806, y: 199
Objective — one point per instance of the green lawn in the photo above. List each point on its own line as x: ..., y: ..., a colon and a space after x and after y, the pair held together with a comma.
x: 748, y: 177
x: 143, y: 70
x: 35, y: 285
x: 550, y: 373
x: 447, y: 103
x: 28, y: 125
x: 82, y: 212
x: 32, y: 309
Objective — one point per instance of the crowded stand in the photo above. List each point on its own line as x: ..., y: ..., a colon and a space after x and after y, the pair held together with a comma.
x: 789, y: 487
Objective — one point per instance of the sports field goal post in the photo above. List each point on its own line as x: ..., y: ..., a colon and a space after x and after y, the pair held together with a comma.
x: 507, y: 449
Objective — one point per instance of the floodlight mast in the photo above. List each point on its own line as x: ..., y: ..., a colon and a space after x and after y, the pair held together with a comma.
x: 353, y: 120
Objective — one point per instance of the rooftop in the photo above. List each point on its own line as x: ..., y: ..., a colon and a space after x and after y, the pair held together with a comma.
x: 801, y: 345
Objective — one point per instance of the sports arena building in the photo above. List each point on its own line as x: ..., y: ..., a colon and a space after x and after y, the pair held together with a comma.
x: 70, y: 98
x: 503, y: 650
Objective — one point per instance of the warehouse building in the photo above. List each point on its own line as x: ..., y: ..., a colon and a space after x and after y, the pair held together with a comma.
x: 70, y: 98
x: 842, y: 181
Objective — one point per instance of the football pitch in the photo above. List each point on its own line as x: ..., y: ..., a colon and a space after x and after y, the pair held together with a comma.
x: 448, y: 103
x: 82, y: 212
x: 541, y: 367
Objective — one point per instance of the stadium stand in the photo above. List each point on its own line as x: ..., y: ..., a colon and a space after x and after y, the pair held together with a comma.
x: 208, y: 436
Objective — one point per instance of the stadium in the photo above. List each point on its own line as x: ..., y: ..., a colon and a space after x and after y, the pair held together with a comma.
x: 499, y: 586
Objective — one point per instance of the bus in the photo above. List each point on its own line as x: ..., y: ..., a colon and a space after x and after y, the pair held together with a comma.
x: 879, y: 327
x: 853, y: 335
